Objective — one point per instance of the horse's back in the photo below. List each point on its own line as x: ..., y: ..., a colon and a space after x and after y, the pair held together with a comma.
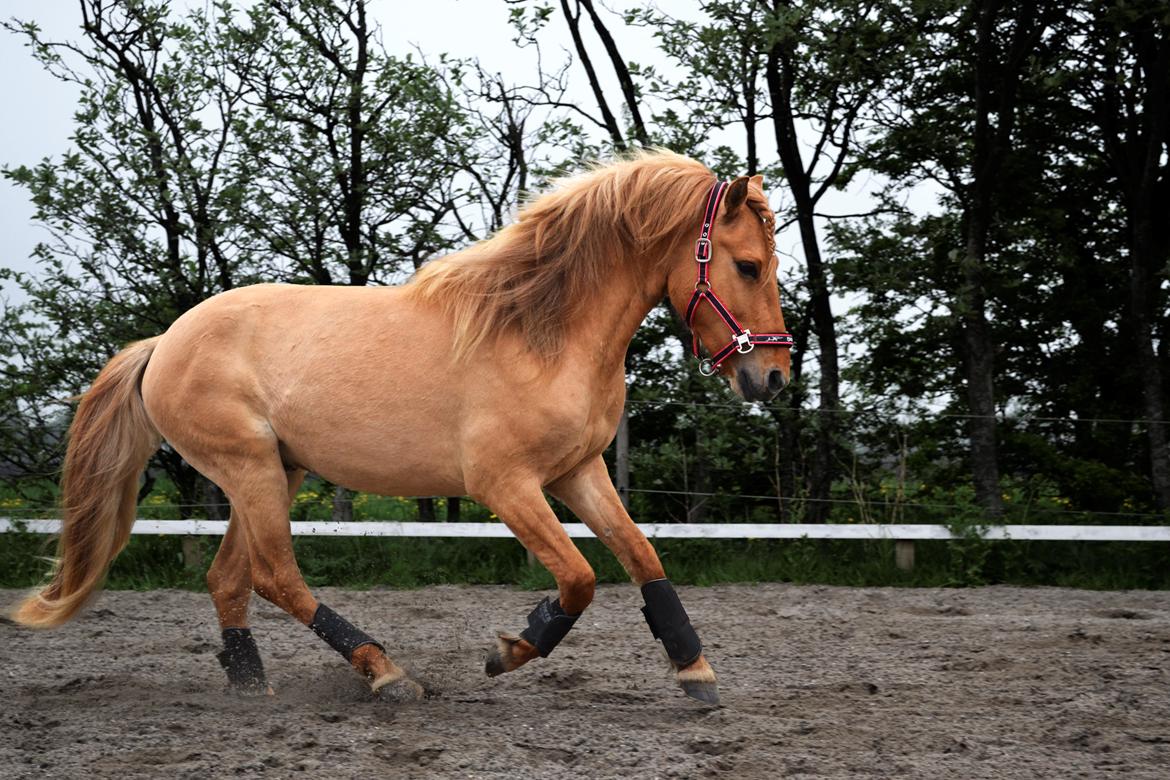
x: 331, y: 372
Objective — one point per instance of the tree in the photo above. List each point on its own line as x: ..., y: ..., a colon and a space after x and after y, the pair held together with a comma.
x: 953, y: 122
x: 1128, y: 93
x: 143, y: 214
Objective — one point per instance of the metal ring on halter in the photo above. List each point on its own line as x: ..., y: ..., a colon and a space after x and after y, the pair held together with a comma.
x: 705, y: 367
x: 744, y: 340
x: 702, y: 286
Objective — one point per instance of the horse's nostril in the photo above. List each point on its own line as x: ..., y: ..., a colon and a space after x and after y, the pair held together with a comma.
x: 776, y: 380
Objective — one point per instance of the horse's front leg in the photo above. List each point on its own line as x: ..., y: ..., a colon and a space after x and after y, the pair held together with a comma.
x: 590, y: 494
x: 523, y: 508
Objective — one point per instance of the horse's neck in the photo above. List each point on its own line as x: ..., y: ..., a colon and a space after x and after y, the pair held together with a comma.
x: 608, y: 322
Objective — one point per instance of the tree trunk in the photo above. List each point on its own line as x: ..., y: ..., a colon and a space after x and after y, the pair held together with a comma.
x: 622, y: 71
x: 621, y: 447
x: 1142, y: 254
x: 1148, y: 206
x: 997, y: 74
x: 454, y: 508
x: 698, y: 501
x: 215, y: 501
x: 607, y: 117
x: 980, y: 365
x: 342, y: 505
x: 426, y: 510
x: 192, y: 497
x: 824, y: 325
x: 148, y: 482
x: 778, y: 73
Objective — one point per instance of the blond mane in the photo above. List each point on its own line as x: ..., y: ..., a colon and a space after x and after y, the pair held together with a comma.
x: 534, y: 276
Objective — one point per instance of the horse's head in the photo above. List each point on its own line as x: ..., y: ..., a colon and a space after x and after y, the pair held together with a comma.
x: 725, y: 286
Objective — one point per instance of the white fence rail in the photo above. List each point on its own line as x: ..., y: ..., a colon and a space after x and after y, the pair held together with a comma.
x: 896, y: 532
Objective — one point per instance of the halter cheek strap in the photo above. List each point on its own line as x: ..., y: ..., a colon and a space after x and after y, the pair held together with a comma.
x: 742, y: 339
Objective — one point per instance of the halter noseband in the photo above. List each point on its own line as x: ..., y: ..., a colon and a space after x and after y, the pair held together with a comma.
x: 742, y: 339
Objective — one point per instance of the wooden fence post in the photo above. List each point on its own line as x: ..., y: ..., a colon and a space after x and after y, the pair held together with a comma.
x: 192, y: 553
x: 904, y: 554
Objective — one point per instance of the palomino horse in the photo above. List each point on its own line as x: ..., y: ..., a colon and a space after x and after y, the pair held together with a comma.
x: 497, y: 372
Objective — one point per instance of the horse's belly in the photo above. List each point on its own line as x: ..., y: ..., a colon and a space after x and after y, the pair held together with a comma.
x: 388, y: 459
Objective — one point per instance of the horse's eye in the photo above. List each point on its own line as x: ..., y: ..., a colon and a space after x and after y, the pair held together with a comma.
x: 748, y: 270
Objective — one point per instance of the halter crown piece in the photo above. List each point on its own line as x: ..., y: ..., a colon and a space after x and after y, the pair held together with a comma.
x: 742, y: 339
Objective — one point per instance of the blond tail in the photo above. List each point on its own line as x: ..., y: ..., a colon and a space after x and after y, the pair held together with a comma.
x: 110, y: 440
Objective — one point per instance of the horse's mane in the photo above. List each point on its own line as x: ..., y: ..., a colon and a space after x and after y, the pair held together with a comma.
x: 534, y: 276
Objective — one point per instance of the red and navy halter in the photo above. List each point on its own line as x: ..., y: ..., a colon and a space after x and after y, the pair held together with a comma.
x: 742, y: 339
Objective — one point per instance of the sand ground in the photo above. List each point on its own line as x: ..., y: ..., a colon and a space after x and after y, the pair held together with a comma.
x: 816, y: 682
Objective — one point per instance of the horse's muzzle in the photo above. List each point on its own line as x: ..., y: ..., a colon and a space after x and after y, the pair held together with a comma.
x: 755, y: 385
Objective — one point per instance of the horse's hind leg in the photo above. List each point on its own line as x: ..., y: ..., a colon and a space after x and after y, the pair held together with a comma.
x: 527, y: 514
x: 590, y: 494
x: 251, y: 473
x: 229, y: 580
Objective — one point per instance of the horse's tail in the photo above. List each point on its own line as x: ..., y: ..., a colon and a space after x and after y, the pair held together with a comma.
x: 110, y: 440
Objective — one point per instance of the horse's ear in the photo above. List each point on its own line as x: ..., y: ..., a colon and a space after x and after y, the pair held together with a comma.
x: 735, y: 197
x: 758, y: 180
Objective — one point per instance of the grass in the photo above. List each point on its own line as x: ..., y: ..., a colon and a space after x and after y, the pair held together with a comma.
x: 157, y: 561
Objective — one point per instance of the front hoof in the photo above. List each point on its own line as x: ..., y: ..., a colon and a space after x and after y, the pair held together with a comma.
x: 494, y: 665
x: 510, y: 653
x: 706, y: 692
x: 499, y: 659
x: 398, y: 688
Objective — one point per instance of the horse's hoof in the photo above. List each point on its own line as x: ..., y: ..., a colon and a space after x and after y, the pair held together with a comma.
x: 397, y: 688
x: 494, y: 665
x: 503, y: 657
x: 706, y: 692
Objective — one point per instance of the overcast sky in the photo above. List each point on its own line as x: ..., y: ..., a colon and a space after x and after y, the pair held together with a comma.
x: 39, y: 108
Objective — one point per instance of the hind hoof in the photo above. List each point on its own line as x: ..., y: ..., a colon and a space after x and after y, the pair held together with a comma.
x: 706, y: 692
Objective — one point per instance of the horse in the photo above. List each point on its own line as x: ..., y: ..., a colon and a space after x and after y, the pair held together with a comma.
x: 496, y: 372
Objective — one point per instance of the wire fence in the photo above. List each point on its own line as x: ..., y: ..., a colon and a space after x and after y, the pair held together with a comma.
x: 852, y: 411
x: 1004, y: 417
x: 43, y: 509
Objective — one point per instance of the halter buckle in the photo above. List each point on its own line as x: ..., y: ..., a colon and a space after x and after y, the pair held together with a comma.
x: 706, y: 368
x: 703, y: 250
x: 743, y: 342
